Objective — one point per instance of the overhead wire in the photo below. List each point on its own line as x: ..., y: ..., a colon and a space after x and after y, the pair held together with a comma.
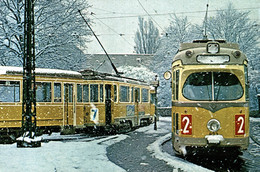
x: 119, y: 34
x: 150, y: 16
x: 170, y: 13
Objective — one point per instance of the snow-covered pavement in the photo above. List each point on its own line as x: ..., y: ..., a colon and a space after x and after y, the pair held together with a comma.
x: 60, y: 156
x: 88, y: 154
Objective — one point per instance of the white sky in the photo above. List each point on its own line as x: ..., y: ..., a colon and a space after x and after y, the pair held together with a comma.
x: 114, y: 17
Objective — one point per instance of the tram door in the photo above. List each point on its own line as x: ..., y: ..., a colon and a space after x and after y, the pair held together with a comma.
x: 108, y: 104
x: 68, y: 104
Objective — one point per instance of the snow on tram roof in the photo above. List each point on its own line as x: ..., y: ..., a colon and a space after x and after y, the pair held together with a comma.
x: 10, y: 69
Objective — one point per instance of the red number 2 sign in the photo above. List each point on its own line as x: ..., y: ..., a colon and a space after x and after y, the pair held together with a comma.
x: 239, y: 124
x: 186, y: 124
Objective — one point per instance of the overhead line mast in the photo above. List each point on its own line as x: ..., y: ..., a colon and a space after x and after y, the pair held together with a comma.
x: 29, y: 88
x: 112, y: 64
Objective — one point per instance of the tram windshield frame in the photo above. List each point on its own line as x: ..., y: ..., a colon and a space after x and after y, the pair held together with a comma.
x: 212, y: 86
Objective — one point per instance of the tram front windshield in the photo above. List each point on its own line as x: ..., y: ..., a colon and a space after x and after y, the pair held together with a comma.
x: 212, y: 86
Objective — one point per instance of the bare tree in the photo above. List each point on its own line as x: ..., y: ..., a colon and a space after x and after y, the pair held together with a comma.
x: 146, y: 37
x: 234, y: 26
x: 179, y: 30
x: 58, y: 27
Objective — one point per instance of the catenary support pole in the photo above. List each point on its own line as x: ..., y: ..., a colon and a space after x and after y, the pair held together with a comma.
x: 28, y: 131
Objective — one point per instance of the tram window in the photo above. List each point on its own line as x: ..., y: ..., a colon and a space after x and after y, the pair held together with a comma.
x: 137, y: 94
x: 152, y: 98
x: 57, y: 92
x: 198, y: 86
x: 144, y: 95
x: 9, y: 91
x: 43, y: 92
x: 124, y: 94
x: 85, y: 93
x: 115, y: 93
x: 209, y: 86
x: 177, y: 84
x: 68, y: 92
x: 101, y: 93
x: 79, y: 93
x: 94, y: 93
x: 173, y: 85
x: 132, y: 94
x: 226, y: 86
x: 246, y: 80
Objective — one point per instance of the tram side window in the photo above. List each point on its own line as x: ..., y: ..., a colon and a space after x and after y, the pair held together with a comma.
x: 177, y: 84
x: 57, y: 92
x: 173, y: 85
x: 43, y: 92
x: 86, y: 93
x: 152, y: 98
x: 79, y: 93
x: 9, y: 91
x: 94, y: 93
x: 101, y: 98
x: 132, y: 94
x: 124, y: 94
x: 137, y: 94
x: 246, y: 80
x: 115, y: 93
x: 144, y: 95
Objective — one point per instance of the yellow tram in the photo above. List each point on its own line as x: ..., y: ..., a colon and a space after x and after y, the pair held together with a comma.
x: 210, y: 109
x: 77, y: 100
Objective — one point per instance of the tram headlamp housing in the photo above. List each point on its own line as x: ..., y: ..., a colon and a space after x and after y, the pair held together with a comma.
x: 212, y: 48
x: 189, y: 53
x: 237, y: 54
x: 213, y: 125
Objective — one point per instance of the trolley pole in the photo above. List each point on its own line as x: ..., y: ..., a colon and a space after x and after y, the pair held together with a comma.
x: 155, y: 84
x: 28, y: 131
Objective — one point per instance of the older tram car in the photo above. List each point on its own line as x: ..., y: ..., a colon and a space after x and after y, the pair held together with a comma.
x: 77, y: 100
x: 210, y: 109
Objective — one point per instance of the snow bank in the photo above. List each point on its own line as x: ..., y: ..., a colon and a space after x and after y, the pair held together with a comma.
x: 59, y: 156
x: 177, y: 163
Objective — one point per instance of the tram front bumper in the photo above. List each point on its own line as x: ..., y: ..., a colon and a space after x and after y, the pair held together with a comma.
x: 214, y: 141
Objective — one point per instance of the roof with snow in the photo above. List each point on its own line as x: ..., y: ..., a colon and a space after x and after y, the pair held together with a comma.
x: 85, y: 74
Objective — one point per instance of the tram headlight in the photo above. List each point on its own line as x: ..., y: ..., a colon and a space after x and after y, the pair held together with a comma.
x: 237, y: 54
x: 213, y: 125
x: 189, y: 53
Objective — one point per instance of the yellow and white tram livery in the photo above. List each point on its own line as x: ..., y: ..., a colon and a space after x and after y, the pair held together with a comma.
x: 75, y: 100
x: 210, y: 109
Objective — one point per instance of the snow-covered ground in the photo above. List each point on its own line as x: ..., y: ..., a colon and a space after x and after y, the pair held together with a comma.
x: 86, y: 155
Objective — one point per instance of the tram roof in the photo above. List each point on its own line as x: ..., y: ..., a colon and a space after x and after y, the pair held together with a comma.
x: 203, y: 43
x: 199, y: 52
x: 94, y: 75
x: 4, y: 70
x: 84, y: 74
